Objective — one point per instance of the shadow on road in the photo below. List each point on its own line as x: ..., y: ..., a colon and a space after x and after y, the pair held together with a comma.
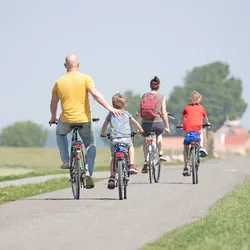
x: 100, y: 199
x: 175, y: 182
x: 69, y: 199
x: 164, y: 182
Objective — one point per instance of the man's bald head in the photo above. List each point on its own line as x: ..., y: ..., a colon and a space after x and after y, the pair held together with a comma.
x: 71, y: 62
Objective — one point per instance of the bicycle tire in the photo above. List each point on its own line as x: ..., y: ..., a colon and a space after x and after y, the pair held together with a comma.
x: 75, y: 178
x: 150, y: 165
x: 196, y: 165
x: 192, y: 155
x: 157, y: 168
x: 120, y: 179
x: 125, y: 181
x: 83, y: 170
x: 157, y: 173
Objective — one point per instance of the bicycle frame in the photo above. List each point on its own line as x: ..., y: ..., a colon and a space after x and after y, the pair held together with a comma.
x: 120, y: 156
x: 154, y: 165
x: 76, y: 145
x: 194, y: 146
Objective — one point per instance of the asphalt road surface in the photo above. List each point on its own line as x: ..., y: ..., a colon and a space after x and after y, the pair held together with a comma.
x: 100, y: 221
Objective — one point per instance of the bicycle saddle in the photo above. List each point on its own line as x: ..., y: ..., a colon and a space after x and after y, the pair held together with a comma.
x: 76, y: 126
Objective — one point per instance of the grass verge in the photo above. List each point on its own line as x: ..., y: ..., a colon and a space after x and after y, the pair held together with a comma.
x: 43, y: 173
x: 226, y: 227
x: 13, y: 193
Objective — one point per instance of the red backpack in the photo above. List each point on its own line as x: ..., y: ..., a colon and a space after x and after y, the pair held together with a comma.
x: 148, y: 106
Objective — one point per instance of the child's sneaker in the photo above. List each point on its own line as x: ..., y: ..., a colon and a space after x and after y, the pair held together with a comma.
x: 185, y: 172
x: 203, y: 152
x: 133, y: 169
x: 111, y: 182
x: 145, y: 168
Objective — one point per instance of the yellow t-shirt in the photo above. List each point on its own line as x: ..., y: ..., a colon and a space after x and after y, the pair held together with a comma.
x: 72, y: 90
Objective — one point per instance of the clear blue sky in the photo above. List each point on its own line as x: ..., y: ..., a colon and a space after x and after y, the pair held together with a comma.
x: 121, y: 44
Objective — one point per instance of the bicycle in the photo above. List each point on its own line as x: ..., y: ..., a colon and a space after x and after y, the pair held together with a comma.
x: 194, y: 156
x: 120, y: 167
x: 153, y: 160
x: 78, y: 168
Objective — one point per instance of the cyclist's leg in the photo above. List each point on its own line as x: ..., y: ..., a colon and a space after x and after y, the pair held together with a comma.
x: 159, y: 130
x: 146, y: 129
x: 88, y: 138
x: 185, y: 155
x: 131, y: 154
x: 203, y: 152
x: 111, y: 180
x: 61, y: 137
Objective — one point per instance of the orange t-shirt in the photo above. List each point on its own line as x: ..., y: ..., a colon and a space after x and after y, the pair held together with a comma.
x: 193, y: 117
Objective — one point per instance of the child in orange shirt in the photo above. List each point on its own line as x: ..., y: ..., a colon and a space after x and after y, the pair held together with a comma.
x: 192, y: 118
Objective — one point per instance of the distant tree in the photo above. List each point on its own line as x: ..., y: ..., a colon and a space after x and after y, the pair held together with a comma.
x: 222, y: 93
x: 23, y: 134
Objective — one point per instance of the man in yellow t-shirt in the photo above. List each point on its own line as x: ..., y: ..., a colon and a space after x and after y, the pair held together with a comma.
x: 72, y: 90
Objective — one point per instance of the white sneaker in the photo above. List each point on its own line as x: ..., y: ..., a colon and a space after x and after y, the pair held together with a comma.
x: 203, y: 152
x: 162, y: 156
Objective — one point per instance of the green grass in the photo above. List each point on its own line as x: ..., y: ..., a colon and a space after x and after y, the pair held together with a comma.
x: 13, y: 193
x: 24, y: 160
x: 17, y: 163
x: 226, y: 227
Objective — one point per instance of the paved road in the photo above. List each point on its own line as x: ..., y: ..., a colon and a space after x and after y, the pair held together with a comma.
x: 39, y: 179
x: 100, y: 221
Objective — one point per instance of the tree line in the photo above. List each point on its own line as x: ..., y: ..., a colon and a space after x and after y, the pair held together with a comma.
x: 222, y: 98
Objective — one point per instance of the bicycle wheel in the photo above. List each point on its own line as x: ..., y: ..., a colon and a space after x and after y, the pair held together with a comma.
x: 157, y: 168
x: 196, y: 164
x: 150, y: 166
x: 125, y: 181
x: 120, y: 179
x: 83, y: 169
x: 75, y: 178
x: 193, y: 168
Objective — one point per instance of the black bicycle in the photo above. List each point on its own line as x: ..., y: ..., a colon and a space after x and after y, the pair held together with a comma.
x: 121, y: 167
x: 78, y: 168
x: 194, y: 156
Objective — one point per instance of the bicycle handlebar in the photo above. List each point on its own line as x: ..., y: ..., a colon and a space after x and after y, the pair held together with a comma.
x: 203, y: 126
x: 132, y: 135
x: 93, y: 120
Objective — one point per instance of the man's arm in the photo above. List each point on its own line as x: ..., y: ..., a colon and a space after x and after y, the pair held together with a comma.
x: 100, y: 99
x: 53, y: 108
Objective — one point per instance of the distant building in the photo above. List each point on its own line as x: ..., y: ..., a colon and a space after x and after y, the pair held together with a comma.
x: 231, y: 137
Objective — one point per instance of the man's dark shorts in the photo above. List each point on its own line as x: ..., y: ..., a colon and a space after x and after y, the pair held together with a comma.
x: 157, y: 127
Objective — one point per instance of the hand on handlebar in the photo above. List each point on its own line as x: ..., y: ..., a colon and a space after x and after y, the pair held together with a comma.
x: 179, y: 126
x: 167, y: 130
x: 53, y: 120
x: 139, y: 131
